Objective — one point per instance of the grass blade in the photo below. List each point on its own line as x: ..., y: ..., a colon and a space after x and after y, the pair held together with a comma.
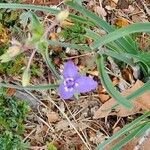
x: 109, y: 86
x: 74, y: 46
x: 123, y: 130
x: 44, y: 9
x: 50, y: 65
x: 140, y: 91
x: 133, y: 28
x: 123, y: 43
x: 36, y: 87
x: 130, y: 136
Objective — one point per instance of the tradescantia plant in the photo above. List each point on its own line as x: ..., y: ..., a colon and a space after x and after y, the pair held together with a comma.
x: 118, y: 43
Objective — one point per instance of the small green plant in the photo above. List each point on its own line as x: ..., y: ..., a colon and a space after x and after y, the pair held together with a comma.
x: 74, y: 33
x: 12, y: 115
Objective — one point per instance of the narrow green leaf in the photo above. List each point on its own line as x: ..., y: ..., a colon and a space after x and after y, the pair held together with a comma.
x: 123, y: 43
x: 109, y: 86
x: 31, y: 7
x: 36, y: 87
x: 44, y: 9
x: 129, y: 137
x: 123, y: 130
x: 133, y: 28
x: 91, y: 34
x: 49, y: 63
x: 140, y: 91
x: 120, y: 56
x: 74, y: 46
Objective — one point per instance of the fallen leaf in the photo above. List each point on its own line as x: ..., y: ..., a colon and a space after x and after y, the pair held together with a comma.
x: 103, y: 97
x: 53, y: 36
x: 93, y: 73
x: 141, y: 104
x: 52, y: 117
x: 100, y: 11
x: 121, y: 22
x: 10, y: 92
x: 123, y: 4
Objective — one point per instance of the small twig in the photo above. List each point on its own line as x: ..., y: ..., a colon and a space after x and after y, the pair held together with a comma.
x: 86, y: 54
x: 146, y: 8
x: 50, y: 127
x: 76, y: 122
x: 29, y: 135
x: 71, y: 124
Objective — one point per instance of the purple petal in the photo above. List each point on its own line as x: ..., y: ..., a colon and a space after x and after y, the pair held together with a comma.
x: 85, y: 84
x: 65, y: 93
x: 70, y: 70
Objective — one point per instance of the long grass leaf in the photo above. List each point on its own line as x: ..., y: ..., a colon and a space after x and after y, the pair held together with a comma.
x: 129, y: 137
x: 34, y: 87
x: 74, y: 46
x: 50, y: 65
x: 133, y: 28
x: 109, y: 86
x: 124, y: 130
x: 123, y: 43
x: 44, y: 9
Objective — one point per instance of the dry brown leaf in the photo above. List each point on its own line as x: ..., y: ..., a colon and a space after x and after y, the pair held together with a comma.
x: 146, y: 144
x: 141, y: 104
x: 115, y: 81
x: 123, y: 4
x: 103, y: 97
x: 63, y: 125
x: 100, y: 11
x: 93, y: 73
x: 52, y: 117
x: 121, y: 22
x: 53, y: 36
x: 66, y: 23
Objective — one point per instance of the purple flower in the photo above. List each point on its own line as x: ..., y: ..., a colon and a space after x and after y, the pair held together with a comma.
x: 73, y: 82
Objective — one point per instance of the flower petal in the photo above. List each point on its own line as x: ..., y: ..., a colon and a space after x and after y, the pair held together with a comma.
x: 85, y: 84
x: 70, y: 70
x: 65, y: 94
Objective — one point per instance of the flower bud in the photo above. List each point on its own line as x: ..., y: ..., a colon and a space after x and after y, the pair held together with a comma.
x: 62, y: 16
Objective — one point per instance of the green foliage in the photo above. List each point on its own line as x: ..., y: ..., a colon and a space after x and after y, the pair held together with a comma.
x: 12, y: 115
x: 35, y: 27
x: 74, y: 33
x: 50, y: 146
x: 15, y: 67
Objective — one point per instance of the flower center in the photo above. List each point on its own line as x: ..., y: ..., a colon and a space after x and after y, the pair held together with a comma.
x: 69, y: 83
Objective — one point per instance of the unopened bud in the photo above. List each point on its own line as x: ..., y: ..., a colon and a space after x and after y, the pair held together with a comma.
x: 62, y: 16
